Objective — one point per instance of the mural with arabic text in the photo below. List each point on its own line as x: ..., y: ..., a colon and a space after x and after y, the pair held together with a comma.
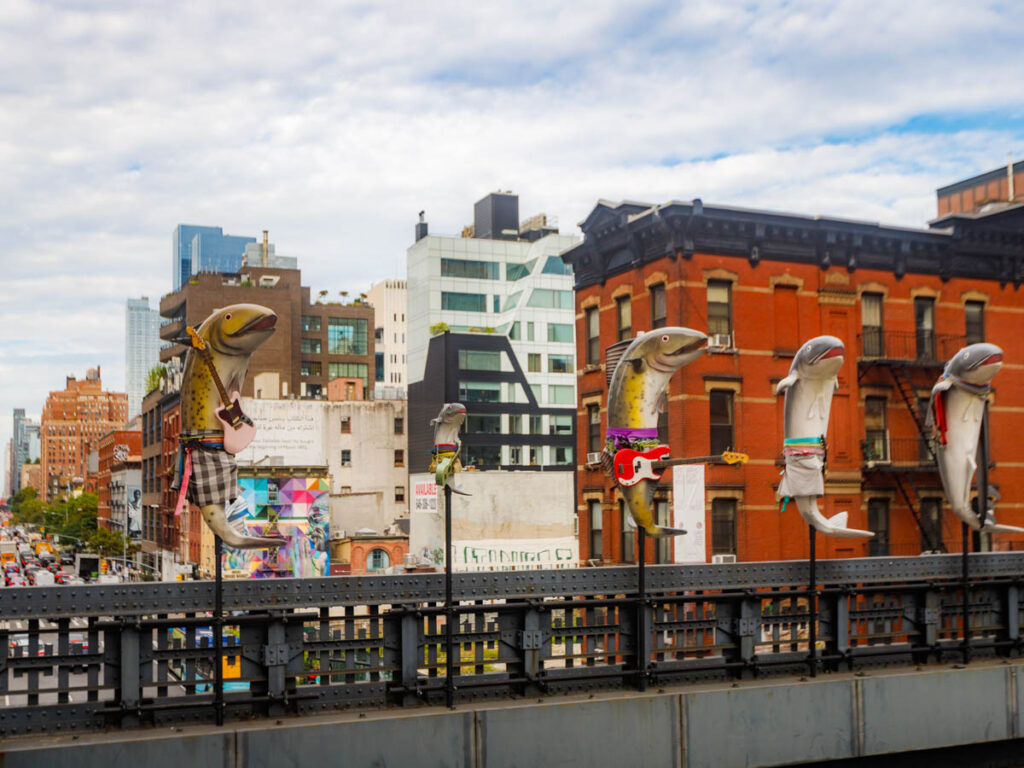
x: 295, y: 508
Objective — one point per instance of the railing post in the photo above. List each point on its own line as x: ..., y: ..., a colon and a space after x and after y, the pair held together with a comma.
x: 835, y: 613
x: 401, y: 651
x: 275, y: 658
x: 130, y: 687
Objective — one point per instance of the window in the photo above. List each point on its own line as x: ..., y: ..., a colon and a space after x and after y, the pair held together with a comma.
x: 399, y: 493
x: 924, y: 325
x: 378, y: 368
x: 480, y: 270
x: 628, y: 534
x: 310, y: 368
x: 723, y: 527
x: 536, y: 425
x: 511, y: 301
x: 560, y: 332
x: 483, y: 455
x: 310, y: 323
x: 399, y: 458
x: 479, y: 392
x: 624, y: 317
x: 350, y: 371
x: 346, y: 425
x: 399, y: 425
x: 931, y: 525
x: 464, y: 302
x: 513, y: 331
x: 310, y: 346
x: 658, y: 311
x: 560, y: 364
x: 547, y: 298
x: 594, y: 437
x: 345, y: 489
x: 483, y: 425
x: 719, y: 306
x: 519, y: 271
x: 515, y: 424
x: 562, y: 455
x: 496, y: 303
x: 878, y: 521
x: 876, y: 447
x: 530, y: 330
x: 596, y: 524
x: 561, y: 394
x: 591, y: 326
x: 346, y: 457
x: 479, y: 360
x: 555, y: 266
x: 560, y: 425
x: 377, y: 560
x: 974, y: 320
x: 346, y: 336
x: 721, y: 420
x: 533, y: 362
x: 871, y: 325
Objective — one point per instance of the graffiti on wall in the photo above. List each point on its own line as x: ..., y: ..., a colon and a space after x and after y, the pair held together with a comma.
x: 294, y: 508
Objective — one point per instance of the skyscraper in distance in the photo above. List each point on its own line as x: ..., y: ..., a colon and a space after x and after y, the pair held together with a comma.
x: 204, y: 249
x: 141, y: 349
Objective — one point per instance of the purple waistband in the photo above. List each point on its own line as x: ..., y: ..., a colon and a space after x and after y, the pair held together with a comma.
x: 632, y: 434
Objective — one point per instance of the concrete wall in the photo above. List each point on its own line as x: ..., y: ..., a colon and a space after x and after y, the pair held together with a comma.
x: 715, y: 725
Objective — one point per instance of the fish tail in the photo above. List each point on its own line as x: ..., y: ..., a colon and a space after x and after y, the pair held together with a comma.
x: 216, y: 517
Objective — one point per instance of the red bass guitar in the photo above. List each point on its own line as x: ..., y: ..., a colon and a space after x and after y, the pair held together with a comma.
x: 629, y: 467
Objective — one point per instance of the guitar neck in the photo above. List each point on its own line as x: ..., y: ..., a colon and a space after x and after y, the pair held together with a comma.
x: 208, y: 359
x: 660, y: 465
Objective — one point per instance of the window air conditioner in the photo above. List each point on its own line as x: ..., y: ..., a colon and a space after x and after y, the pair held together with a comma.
x: 720, y: 341
x: 723, y: 558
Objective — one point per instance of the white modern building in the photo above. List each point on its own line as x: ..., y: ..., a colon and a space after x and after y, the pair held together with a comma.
x: 141, y: 349
x: 388, y: 298
x: 501, y: 278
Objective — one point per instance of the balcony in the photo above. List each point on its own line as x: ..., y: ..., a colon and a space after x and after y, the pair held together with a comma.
x: 921, y: 347
x: 896, y: 453
x: 172, y: 330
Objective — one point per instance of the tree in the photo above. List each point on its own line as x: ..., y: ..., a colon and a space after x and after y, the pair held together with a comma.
x: 109, y: 543
x: 437, y: 328
x: 156, y: 376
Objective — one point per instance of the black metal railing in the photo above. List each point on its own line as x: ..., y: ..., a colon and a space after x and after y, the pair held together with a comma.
x: 95, y: 657
x: 878, y: 450
x: 921, y: 347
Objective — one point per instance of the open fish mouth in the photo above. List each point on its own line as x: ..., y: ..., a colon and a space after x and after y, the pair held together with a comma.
x: 265, y: 323
x: 690, y: 346
x: 834, y: 352
x: 992, y: 359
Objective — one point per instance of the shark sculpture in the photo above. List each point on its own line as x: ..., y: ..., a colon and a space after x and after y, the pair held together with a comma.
x: 812, y: 380
x: 445, y: 462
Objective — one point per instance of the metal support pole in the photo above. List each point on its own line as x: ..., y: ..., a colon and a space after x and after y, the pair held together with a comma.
x: 218, y: 630
x: 965, y: 586
x: 812, y: 605
x: 641, y: 612
x: 449, y: 609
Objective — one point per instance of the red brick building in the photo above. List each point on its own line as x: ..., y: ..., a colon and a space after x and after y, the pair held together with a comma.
x: 116, y: 449
x: 984, y: 191
x: 72, y: 423
x: 760, y: 284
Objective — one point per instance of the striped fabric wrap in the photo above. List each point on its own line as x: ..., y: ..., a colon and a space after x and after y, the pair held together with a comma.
x: 803, y: 446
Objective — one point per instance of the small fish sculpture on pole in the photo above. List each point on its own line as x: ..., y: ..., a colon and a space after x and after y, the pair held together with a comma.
x: 812, y: 380
x: 955, y: 413
x: 213, y: 427
x: 635, y: 396
x: 444, y: 457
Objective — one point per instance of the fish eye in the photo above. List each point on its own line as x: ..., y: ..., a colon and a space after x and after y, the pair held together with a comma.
x: 665, y: 337
x: 227, y: 316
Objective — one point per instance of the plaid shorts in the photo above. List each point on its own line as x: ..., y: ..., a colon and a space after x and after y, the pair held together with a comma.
x: 214, y: 477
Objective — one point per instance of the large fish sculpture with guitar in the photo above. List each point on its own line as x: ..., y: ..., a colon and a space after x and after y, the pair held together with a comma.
x: 634, y: 397
x: 213, y: 427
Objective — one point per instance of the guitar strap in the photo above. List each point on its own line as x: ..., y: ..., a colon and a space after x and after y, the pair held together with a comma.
x: 204, y: 355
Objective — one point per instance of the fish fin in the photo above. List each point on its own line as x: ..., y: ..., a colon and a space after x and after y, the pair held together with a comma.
x: 637, y: 362
x: 785, y: 384
x: 663, y: 402
x: 662, y: 531
x: 942, y: 385
x: 458, y: 490
x: 997, y: 528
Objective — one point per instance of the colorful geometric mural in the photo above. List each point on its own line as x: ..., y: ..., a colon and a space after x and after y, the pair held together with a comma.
x: 295, y: 508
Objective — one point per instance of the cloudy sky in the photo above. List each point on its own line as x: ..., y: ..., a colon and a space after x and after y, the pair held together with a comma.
x: 333, y: 125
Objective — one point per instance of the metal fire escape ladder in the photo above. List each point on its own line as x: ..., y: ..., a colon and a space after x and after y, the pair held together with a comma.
x: 905, y: 386
x: 935, y: 546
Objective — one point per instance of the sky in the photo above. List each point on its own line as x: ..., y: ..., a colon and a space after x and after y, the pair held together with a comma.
x: 332, y: 124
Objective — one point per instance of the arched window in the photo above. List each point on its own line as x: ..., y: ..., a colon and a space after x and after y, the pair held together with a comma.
x: 377, y: 560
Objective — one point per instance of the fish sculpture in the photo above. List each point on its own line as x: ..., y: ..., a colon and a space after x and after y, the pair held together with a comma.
x: 444, y: 461
x: 955, y: 413
x: 635, y: 395
x: 207, y: 473
x: 812, y: 380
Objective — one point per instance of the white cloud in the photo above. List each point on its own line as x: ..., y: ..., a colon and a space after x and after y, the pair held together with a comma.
x: 331, y: 125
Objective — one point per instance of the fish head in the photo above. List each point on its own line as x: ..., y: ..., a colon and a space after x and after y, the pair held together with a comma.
x: 819, y: 358
x: 666, y: 350
x: 239, y: 329
x: 451, y: 414
x: 976, y: 364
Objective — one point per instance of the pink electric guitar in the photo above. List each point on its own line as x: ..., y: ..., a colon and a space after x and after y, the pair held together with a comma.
x: 629, y: 467
x: 239, y: 430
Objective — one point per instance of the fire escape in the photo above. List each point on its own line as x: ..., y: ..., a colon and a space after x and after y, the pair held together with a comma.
x: 911, y: 361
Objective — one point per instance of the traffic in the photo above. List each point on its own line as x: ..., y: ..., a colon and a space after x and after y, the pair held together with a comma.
x: 29, y: 559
